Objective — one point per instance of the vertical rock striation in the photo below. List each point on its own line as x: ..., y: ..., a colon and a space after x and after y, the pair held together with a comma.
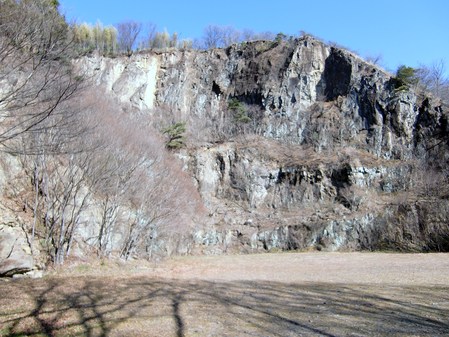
x: 326, y: 153
x: 330, y: 158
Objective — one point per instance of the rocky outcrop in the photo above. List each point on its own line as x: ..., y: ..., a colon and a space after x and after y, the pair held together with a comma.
x: 301, y: 91
x: 326, y: 153
x: 329, y: 154
x: 15, y: 254
x: 274, y: 201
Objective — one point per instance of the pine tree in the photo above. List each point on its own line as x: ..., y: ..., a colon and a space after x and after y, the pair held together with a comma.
x: 175, y: 135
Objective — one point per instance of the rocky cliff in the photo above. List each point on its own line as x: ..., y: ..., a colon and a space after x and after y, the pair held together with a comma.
x: 332, y: 155
x: 294, y: 144
x: 301, y: 91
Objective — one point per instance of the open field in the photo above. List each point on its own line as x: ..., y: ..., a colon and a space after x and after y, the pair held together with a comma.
x: 291, y: 294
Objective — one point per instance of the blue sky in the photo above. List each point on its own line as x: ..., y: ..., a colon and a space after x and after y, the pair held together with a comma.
x: 410, y: 32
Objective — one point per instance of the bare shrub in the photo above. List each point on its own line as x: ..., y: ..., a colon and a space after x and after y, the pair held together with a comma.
x: 116, y: 164
x: 143, y: 183
x: 433, y: 79
x: 352, y: 197
x: 429, y: 182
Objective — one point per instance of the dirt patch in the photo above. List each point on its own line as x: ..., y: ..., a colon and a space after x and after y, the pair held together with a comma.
x: 359, y: 268
x: 316, y: 294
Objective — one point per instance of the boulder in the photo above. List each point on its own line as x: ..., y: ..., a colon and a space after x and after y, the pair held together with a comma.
x: 15, y: 254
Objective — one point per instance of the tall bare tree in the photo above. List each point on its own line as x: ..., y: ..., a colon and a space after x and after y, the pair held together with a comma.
x: 212, y: 37
x: 128, y: 31
x: 220, y: 36
x: 35, y: 72
x: 149, y: 32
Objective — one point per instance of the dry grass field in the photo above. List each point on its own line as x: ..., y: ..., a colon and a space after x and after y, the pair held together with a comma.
x: 291, y: 294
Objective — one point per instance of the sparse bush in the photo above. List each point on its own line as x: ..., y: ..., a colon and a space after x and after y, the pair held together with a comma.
x: 351, y: 197
x: 429, y: 181
x: 280, y: 37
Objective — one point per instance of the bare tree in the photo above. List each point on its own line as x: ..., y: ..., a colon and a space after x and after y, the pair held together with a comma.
x: 137, y: 185
x: 37, y: 87
x: 62, y: 186
x: 248, y: 35
x: 212, y: 37
x: 149, y: 34
x: 174, y: 204
x: 375, y: 59
x: 58, y: 158
x: 230, y: 35
x: 220, y: 36
x: 128, y: 32
x: 434, y: 80
x: 35, y: 70
x: 118, y: 162
x: 223, y: 36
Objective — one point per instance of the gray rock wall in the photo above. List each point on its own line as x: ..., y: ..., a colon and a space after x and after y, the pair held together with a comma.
x: 329, y: 160
x: 306, y: 92
x: 334, y: 146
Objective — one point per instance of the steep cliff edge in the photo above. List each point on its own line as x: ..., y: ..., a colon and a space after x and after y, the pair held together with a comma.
x: 291, y: 145
x: 331, y: 154
x: 301, y: 91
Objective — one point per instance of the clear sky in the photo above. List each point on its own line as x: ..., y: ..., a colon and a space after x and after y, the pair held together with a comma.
x: 410, y: 32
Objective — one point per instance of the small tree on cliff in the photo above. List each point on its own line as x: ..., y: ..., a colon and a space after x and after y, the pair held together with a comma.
x: 175, y: 134
x: 405, y: 77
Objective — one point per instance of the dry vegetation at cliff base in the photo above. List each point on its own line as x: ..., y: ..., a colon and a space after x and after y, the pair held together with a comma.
x: 311, y: 294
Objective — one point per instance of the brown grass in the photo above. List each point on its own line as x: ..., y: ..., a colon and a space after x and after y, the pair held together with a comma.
x: 296, y: 154
x: 310, y: 294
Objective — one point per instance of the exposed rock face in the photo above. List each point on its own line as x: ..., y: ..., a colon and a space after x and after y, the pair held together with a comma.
x: 15, y: 254
x: 306, y: 92
x: 328, y: 159
x: 280, y: 78
x: 329, y: 162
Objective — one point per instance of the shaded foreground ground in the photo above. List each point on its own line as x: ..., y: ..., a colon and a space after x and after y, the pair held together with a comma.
x: 309, y: 294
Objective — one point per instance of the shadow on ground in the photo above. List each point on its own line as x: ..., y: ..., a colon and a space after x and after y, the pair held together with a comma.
x: 154, y: 307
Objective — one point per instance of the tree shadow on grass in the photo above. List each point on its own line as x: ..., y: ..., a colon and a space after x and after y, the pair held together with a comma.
x: 157, y: 307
